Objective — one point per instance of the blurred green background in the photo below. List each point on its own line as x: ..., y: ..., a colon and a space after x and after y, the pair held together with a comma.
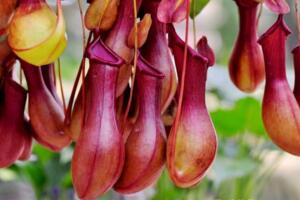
x: 248, y: 165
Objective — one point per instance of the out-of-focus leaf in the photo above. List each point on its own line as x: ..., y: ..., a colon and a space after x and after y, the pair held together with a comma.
x: 42, y: 154
x: 56, y: 171
x: 226, y: 168
x: 251, y: 108
x: 227, y: 122
x: 244, y: 116
x: 7, y: 175
x: 47, y: 174
x: 197, y: 6
x: 67, y: 180
x: 166, y: 190
x: 107, y: 196
x: 34, y: 172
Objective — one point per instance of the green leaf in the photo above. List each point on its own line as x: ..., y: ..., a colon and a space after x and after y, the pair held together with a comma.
x: 42, y: 154
x: 67, y: 180
x: 166, y: 190
x: 244, y: 116
x: 197, y: 6
x: 251, y: 109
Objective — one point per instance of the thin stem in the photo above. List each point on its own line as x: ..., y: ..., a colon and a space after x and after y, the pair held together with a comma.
x: 194, y: 25
x: 59, y: 8
x: 182, y: 81
x: 195, y: 32
x: 82, y: 24
x: 75, y: 85
x: 83, y: 61
x: 21, y: 76
x: 297, y: 18
x: 83, y: 93
x: 259, y: 14
x: 81, y: 71
x: 61, y: 84
x: 135, y: 61
x: 60, y: 14
x: 54, y: 77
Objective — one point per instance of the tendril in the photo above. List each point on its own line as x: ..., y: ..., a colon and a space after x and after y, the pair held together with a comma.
x: 297, y: 18
x: 182, y: 81
x: 61, y: 84
x: 134, y: 62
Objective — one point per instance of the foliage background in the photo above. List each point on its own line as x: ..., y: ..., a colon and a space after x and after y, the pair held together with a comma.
x: 246, y: 159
